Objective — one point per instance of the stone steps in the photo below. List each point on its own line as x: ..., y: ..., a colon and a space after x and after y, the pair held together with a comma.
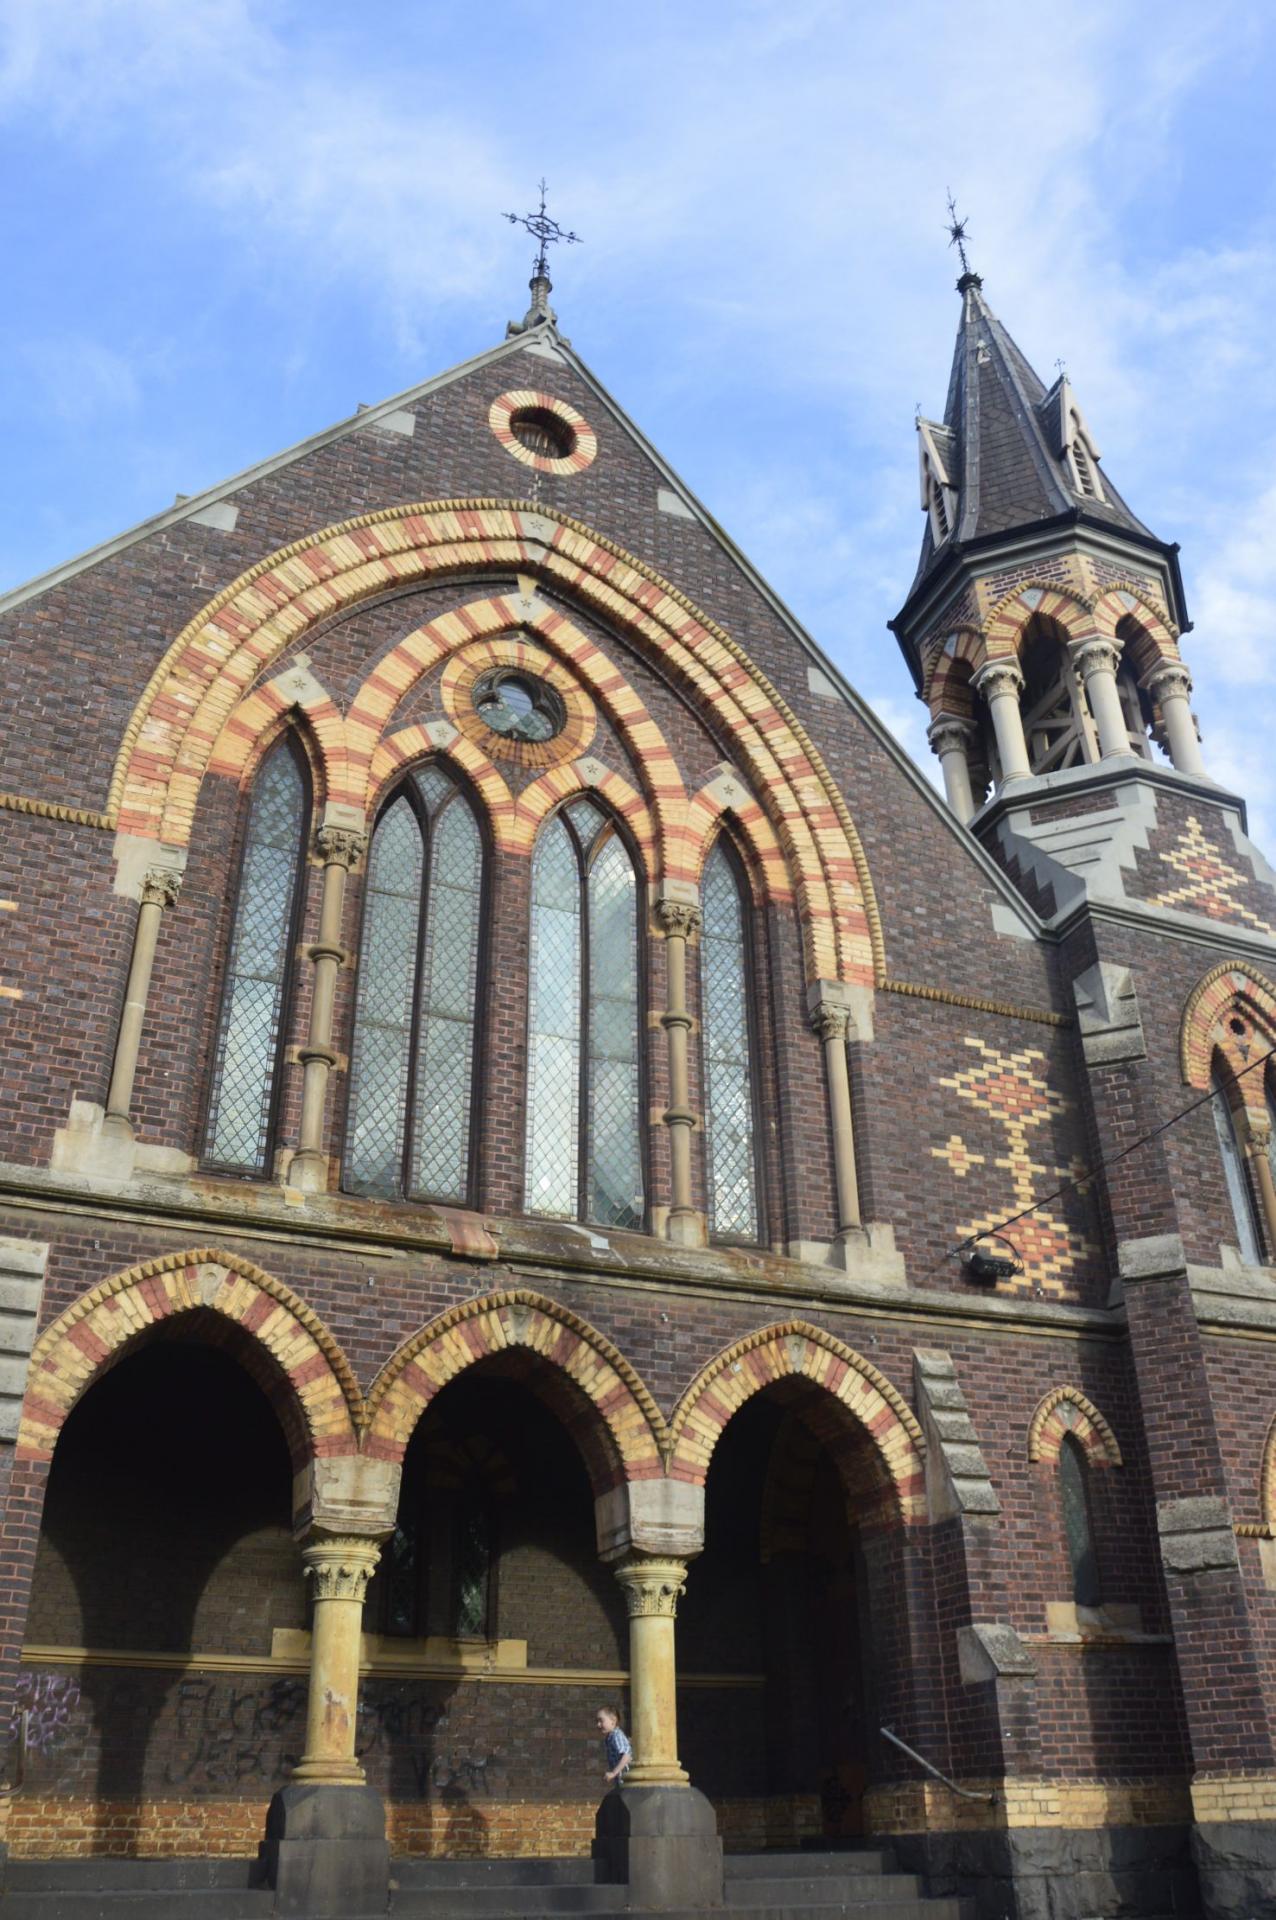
x: 859, y: 1884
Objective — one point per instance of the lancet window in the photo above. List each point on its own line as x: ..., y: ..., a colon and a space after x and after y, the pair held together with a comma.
x: 416, y: 1016
x: 250, y: 1030
x: 1078, y: 1526
x: 1233, y: 1159
x: 730, y: 1130
x: 584, y: 1142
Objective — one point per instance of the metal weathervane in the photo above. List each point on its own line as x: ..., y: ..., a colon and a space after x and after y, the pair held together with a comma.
x: 957, y: 234
x: 546, y: 233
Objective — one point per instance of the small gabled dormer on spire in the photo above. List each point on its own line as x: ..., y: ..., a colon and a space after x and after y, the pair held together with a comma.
x: 547, y: 233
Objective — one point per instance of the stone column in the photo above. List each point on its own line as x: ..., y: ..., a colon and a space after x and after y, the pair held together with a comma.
x: 1001, y: 683
x: 680, y: 919
x: 1170, y: 685
x: 833, y: 1024
x: 159, y: 890
x: 339, y: 849
x: 655, y: 1832
x: 950, y: 739
x: 338, y: 1569
x: 1256, y: 1132
x: 1096, y: 661
x: 653, y: 1589
x: 325, y: 1851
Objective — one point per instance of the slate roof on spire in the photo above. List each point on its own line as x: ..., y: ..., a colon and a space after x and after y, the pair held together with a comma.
x: 1002, y: 440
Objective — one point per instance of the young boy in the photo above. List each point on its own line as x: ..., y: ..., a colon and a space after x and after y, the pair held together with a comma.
x: 615, y: 1744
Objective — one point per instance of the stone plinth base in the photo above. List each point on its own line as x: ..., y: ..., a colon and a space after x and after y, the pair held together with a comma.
x: 1063, y: 1873
x: 326, y: 1854
x: 1236, y: 1867
x: 661, y: 1842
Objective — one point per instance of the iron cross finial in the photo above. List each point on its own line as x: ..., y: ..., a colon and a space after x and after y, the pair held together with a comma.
x: 957, y: 233
x: 545, y: 231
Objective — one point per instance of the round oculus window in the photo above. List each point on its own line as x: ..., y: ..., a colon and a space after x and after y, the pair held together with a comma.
x: 543, y: 433
x: 519, y: 706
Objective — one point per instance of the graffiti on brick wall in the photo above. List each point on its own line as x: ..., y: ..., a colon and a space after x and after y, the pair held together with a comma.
x: 1207, y: 883
x: 1012, y: 1090
x: 402, y: 1727
x: 47, y: 1702
x: 229, y: 1733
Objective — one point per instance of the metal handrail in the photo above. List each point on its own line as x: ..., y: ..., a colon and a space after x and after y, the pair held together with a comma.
x: 986, y: 1799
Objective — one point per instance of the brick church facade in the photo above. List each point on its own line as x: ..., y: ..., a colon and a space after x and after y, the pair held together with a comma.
x: 510, y: 1082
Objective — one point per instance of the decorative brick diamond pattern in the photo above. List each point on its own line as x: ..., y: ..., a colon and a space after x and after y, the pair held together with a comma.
x: 1208, y: 883
x: 1016, y: 1096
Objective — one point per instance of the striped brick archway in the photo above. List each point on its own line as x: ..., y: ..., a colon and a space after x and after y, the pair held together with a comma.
x: 604, y: 1405
x: 1230, y: 1012
x: 797, y: 1350
x: 1064, y: 1412
x: 304, y: 1372
x: 238, y: 636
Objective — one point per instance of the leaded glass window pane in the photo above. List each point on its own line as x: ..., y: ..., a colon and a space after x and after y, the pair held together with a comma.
x: 449, y: 990
x: 472, y: 1568
x: 1234, y: 1174
x: 728, y: 1075
x: 1076, y: 1521
x: 257, y: 970
x: 553, y: 1069
x: 383, y: 1013
x: 614, y: 1194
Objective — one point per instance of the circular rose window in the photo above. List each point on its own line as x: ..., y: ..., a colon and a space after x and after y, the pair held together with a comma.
x: 519, y: 706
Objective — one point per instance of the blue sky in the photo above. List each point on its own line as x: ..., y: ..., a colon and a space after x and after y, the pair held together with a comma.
x: 226, y: 222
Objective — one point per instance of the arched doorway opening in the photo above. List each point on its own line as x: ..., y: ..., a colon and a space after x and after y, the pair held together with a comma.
x: 495, y: 1631
x: 166, y: 1567
x: 794, y: 1632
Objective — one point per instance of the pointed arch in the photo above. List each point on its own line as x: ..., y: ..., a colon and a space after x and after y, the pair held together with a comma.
x: 723, y: 798
x: 1125, y: 613
x: 294, y: 698
x: 796, y: 1349
x: 539, y: 800
x: 227, y: 646
x: 1003, y: 630
x: 947, y: 668
x: 1066, y: 1413
x: 623, y: 1433
x: 1228, y: 1012
x: 397, y: 752
x: 323, y: 1407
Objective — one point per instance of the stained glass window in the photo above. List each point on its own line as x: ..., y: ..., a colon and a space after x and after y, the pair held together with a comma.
x: 411, y: 1069
x: 584, y: 1142
x: 728, y: 1076
x: 1234, y: 1174
x: 1076, y: 1522
x: 248, y: 1040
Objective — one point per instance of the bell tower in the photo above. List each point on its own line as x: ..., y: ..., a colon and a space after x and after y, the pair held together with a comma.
x: 1042, y: 630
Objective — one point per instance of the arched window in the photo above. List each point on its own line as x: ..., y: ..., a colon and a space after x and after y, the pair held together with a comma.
x: 731, y: 1161
x: 412, y: 1064
x: 1234, y: 1171
x: 1075, y: 1494
x: 250, y: 1030
x: 584, y: 1142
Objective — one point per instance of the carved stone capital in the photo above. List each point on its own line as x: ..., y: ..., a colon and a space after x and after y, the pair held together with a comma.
x: 1098, y: 655
x: 1170, y: 681
x: 678, y: 918
x: 652, y: 1586
x: 339, y: 1567
x: 950, y: 735
x: 339, y: 846
x: 160, y: 886
x: 999, y: 677
x: 1256, y: 1129
x: 830, y: 1021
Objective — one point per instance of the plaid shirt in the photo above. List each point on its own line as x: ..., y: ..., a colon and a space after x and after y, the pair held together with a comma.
x: 617, y: 1747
